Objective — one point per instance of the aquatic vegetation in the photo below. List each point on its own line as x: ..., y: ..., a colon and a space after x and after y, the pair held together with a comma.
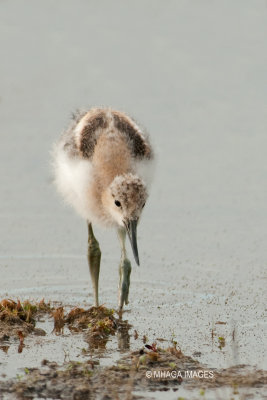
x: 17, y: 312
x: 58, y: 315
x: 88, y: 379
x: 99, y: 320
x: 18, y: 319
x: 149, y: 368
x: 221, y: 340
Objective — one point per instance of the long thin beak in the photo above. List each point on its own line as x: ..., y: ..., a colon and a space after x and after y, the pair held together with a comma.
x: 131, y: 230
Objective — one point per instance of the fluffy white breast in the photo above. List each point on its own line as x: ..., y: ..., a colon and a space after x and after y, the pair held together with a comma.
x: 73, y: 177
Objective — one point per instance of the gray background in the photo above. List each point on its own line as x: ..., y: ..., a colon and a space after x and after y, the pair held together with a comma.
x: 194, y: 74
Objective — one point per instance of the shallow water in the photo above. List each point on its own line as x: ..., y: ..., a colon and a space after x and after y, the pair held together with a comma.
x: 193, y: 74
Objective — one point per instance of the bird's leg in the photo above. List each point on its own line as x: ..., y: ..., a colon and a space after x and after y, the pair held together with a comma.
x: 124, y: 271
x: 94, y: 257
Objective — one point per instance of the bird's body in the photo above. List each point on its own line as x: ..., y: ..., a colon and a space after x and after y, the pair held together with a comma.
x: 103, y: 166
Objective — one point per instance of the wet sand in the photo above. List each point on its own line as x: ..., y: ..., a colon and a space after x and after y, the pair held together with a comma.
x: 193, y: 75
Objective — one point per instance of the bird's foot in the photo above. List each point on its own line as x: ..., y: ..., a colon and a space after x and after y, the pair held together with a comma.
x: 124, y: 283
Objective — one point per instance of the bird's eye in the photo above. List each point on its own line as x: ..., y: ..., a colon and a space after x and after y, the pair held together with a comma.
x: 117, y: 202
x: 143, y: 205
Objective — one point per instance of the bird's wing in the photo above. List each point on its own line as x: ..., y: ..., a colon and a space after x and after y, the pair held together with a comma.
x: 137, y: 139
x: 81, y: 137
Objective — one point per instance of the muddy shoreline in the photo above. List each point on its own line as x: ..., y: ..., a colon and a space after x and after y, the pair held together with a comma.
x: 152, y: 369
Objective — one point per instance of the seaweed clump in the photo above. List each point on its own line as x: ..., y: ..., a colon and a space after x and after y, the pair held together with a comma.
x: 100, y: 320
x: 97, y: 323
x: 18, y: 319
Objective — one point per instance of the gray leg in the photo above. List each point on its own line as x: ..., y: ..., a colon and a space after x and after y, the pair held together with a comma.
x: 94, y: 257
x: 124, y: 271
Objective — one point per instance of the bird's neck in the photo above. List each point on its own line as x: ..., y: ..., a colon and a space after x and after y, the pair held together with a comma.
x: 111, y: 158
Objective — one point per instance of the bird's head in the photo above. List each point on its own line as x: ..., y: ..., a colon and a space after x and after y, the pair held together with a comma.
x: 124, y: 201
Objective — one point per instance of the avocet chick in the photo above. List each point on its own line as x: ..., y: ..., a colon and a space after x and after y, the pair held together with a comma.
x: 103, y: 166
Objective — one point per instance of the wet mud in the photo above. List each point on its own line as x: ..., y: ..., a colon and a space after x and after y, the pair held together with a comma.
x: 150, y: 370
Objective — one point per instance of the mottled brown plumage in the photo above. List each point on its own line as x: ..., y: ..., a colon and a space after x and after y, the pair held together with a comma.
x: 94, y: 122
x: 88, y: 140
x: 140, y: 147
